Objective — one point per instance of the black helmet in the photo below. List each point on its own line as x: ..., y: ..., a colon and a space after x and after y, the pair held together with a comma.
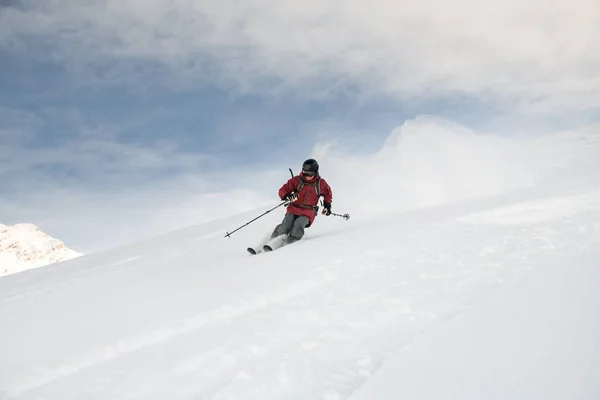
x: 310, y: 165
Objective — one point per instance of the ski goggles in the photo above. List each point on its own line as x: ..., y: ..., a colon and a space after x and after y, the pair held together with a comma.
x: 309, y: 173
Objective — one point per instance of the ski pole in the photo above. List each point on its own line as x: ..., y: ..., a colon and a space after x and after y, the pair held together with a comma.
x: 345, y: 216
x: 228, y: 234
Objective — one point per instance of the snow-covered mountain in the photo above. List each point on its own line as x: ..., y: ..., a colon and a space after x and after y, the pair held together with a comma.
x: 25, y: 246
x: 488, y: 289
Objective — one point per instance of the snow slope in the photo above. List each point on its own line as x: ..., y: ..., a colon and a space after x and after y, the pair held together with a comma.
x: 25, y: 246
x: 191, y: 315
x: 536, y: 340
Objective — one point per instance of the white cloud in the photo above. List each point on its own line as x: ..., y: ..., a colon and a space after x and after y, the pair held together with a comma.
x: 540, y: 56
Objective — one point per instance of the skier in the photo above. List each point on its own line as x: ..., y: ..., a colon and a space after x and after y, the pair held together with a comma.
x: 303, y: 192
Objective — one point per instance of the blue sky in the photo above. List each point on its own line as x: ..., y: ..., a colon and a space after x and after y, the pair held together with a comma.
x: 122, y: 120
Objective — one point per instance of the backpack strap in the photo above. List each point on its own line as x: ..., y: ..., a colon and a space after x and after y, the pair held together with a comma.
x: 301, y: 185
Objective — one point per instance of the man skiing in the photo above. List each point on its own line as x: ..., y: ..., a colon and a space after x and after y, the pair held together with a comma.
x: 303, y: 192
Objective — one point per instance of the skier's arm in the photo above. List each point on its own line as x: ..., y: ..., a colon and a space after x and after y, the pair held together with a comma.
x: 288, y: 187
x: 326, y: 192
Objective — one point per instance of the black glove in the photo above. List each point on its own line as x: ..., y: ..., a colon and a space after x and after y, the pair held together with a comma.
x: 289, y: 197
x: 326, y: 208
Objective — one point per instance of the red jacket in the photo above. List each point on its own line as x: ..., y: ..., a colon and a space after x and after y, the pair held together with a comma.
x: 307, y: 197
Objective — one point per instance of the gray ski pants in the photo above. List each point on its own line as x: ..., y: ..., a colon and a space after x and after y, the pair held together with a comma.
x: 292, y: 225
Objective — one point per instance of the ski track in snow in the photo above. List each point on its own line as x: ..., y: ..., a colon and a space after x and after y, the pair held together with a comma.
x: 137, y: 343
x: 323, y: 336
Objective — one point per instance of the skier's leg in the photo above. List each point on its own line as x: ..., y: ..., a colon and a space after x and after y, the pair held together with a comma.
x: 285, y: 226
x: 297, y: 230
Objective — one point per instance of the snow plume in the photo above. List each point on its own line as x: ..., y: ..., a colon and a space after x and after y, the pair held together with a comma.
x: 426, y: 162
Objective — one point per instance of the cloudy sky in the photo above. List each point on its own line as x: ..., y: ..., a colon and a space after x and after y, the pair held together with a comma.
x: 123, y: 119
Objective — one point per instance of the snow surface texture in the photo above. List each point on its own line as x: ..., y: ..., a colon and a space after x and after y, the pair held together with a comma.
x: 488, y: 294
x: 24, y: 246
